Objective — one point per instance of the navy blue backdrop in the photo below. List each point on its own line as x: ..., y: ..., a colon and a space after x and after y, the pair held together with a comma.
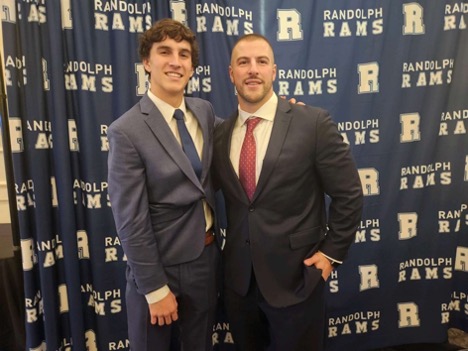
x: 393, y: 74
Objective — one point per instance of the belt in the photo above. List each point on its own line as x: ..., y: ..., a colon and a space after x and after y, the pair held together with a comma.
x: 209, y: 237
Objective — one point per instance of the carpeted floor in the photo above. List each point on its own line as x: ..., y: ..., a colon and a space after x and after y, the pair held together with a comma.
x: 457, y: 341
x: 423, y: 347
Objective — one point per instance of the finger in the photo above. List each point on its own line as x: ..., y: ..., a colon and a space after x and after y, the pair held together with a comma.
x: 153, y: 320
x: 160, y: 321
x: 174, y: 316
x: 168, y: 319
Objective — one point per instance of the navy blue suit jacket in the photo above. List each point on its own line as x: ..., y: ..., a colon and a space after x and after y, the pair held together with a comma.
x: 287, y: 220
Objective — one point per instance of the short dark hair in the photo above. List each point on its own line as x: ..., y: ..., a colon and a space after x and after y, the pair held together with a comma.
x: 167, y: 28
x: 251, y: 37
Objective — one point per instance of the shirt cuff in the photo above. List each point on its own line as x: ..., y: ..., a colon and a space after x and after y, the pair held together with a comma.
x: 157, y: 295
x: 332, y: 260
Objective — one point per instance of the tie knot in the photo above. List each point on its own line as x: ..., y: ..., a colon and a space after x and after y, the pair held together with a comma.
x: 179, y: 115
x: 252, y: 123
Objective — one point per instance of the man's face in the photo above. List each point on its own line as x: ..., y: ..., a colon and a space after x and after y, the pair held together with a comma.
x: 252, y: 71
x: 170, y: 65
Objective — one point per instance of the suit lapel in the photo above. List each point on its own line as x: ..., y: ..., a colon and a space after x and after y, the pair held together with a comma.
x: 163, y: 133
x: 275, y: 145
x: 205, y: 128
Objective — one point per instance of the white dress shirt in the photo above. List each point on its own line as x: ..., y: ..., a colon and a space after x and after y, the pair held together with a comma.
x: 262, y: 133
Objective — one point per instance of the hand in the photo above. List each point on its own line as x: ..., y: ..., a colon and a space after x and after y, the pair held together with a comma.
x: 164, y: 311
x: 320, y: 262
x: 292, y: 100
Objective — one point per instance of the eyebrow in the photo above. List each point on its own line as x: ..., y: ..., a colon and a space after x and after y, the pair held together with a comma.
x: 166, y: 47
x: 257, y: 57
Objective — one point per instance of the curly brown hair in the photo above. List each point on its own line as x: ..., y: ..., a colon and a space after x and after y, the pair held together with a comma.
x: 167, y: 28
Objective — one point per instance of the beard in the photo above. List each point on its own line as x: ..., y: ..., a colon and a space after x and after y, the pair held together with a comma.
x: 253, y: 96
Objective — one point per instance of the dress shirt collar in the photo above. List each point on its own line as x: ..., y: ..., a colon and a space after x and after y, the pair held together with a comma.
x: 166, y: 110
x: 267, y: 111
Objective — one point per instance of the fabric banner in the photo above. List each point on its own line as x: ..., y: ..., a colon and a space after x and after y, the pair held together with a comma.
x: 394, y: 76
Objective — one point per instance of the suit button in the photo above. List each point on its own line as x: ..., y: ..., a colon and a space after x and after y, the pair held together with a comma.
x: 247, y: 242
x: 251, y: 208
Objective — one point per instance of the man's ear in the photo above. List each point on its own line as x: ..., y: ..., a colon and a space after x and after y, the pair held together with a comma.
x: 146, y: 65
x: 230, y: 74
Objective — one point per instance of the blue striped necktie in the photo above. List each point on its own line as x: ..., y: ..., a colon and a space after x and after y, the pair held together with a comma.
x: 187, y: 143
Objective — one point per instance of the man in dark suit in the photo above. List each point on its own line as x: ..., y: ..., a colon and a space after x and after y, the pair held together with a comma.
x: 162, y: 199
x: 275, y: 163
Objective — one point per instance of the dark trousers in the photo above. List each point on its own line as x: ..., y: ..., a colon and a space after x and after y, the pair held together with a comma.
x: 195, y: 286
x: 258, y: 326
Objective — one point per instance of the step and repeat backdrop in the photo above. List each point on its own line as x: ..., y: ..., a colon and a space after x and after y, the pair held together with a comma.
x: 393, y: 74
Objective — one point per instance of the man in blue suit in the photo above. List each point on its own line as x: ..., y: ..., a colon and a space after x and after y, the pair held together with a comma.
x: 162, y: 199
x: 275, y: 162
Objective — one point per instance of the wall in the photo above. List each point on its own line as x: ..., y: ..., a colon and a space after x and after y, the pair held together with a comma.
x: 4, y: 209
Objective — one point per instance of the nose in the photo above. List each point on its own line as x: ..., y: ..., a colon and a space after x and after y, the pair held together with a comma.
x: 175, y: 61
x: 253, y: 68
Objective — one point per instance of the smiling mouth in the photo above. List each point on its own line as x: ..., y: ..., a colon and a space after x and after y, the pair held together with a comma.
x: 174, y: 75
x: 253, y: 82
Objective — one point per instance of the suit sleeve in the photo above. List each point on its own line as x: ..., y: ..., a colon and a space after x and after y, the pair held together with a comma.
x: 129, y: 201
x: 340, y: 180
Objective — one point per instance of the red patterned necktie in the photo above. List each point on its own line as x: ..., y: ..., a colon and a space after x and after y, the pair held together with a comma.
x: 248, y: 158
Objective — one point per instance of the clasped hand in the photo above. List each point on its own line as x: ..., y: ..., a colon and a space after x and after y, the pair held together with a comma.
x: 164, y: 312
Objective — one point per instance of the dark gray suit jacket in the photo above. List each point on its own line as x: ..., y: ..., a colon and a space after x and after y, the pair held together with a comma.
x: 156, y: 197
x: 286, y: 221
